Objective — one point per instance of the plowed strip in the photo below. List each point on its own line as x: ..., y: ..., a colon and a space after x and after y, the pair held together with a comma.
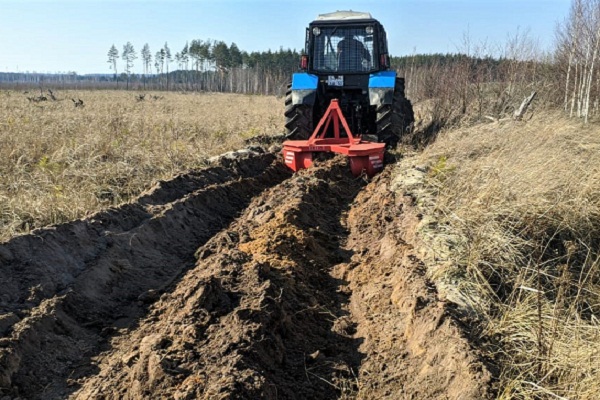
x: 258, y: 317
x: 301, y: 288
x: 66, y: 290
x: 312, y: 293
x: 413, y: 348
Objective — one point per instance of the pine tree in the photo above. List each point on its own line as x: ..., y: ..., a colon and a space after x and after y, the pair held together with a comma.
x: 221, y: 55
x: 167, y: 53
x: 235, y: 55
x: 159, y: 58
x: 147, y: 60
x: 128, y: 56
x: 113, y: 55
x: 185, y: 55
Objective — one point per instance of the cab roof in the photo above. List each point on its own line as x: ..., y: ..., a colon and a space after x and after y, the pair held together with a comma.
x: 344, y: 16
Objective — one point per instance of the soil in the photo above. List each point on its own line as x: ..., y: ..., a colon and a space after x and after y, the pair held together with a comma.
x: 239, y: 281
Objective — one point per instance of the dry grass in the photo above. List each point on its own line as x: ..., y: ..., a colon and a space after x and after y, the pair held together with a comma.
x: 524, y: 197
x: 59, y: 162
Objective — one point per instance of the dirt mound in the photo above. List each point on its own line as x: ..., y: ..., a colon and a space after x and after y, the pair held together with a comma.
x: 414, y: 348
x: 66, y: 290
x: 234, y: 282
x: 256, y: 316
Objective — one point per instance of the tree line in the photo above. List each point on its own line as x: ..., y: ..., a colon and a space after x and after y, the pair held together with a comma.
x: 204, y: 65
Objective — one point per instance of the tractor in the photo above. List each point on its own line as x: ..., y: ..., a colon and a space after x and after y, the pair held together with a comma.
x: 346, y: 58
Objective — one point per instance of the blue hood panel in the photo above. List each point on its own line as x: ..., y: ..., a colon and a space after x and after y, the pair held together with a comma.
x: 383, y: 79
x: 304, y: 81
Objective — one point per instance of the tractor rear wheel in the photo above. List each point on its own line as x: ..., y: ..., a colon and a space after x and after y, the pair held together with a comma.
x: 396, y: 119
x: 298, y: 118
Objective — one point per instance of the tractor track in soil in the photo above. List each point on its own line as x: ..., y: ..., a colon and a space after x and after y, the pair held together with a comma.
x: 237, y: 281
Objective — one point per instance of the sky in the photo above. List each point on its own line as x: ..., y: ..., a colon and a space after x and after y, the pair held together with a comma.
x: 75, y: 35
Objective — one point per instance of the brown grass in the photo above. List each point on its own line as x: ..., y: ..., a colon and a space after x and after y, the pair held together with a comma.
x: 520, y: 200
x: 524, y: 199
x: 59, y: 162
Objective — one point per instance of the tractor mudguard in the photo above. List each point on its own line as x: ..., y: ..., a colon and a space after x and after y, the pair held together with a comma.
x: 381, y: 87
x: 304, y: 88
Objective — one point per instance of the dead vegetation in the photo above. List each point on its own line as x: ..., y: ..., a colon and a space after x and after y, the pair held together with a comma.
x: 60, y: 160
x: 518, y: 207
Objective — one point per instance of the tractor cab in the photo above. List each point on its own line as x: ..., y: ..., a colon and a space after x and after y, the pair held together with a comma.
x: 345, y: 42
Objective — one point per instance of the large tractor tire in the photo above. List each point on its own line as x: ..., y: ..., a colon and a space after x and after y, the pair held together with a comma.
x: 396, y: 119
x: 298, y: 118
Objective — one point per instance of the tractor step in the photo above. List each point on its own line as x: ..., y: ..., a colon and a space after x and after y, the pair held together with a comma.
x: 364, y: 156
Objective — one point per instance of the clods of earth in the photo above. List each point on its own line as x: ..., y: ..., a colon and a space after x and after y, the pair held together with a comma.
x: 238, y: 281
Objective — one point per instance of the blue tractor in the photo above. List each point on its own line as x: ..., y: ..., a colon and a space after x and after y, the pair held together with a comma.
x: 346, y: 58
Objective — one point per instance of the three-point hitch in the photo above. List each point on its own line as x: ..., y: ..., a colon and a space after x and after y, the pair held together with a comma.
x: 364, y: 156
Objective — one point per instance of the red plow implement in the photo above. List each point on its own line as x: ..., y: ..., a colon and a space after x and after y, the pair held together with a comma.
x: 364, y: 156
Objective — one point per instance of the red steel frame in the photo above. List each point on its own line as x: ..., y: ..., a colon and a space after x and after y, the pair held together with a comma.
x: 364, y: 156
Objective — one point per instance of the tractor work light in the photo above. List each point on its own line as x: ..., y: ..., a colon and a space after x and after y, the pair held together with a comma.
x: 384, y: 60
x: 369, y: 30
x: 316, y: 31
x: 304, y: 61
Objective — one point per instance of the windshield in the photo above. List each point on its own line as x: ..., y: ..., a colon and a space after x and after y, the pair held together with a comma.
x: 343, y: 49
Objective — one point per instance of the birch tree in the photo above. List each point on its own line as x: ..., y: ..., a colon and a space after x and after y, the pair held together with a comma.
x: 579, y: 47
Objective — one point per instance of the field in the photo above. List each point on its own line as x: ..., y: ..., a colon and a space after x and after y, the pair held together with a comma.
x: 134, y: 264
x: 59, y: 162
